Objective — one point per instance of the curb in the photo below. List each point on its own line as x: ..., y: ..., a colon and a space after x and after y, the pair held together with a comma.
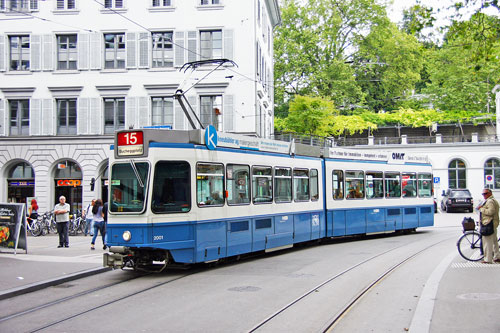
x: 52, y: 282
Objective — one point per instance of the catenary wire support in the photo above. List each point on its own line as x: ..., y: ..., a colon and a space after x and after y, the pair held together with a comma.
x: 180, y: 95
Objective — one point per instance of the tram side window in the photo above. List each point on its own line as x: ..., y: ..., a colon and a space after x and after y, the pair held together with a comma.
x: 262, y: 184
x: 424, y: 185
x: 301, y: 184
x: 314, y: 185
x: 238, y: 184
x: 409, y: 182
x: 338, y: 184
x: 209, y: 184
x: 128, y: 187
x: 283, y: 184
x: 171, y: 187
x: 374, y: 185
x: 392, y: 184
x: 355, y: 184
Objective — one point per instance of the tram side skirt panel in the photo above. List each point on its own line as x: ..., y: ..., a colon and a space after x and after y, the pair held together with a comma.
x: 339, y: 224
x: 375, y: 220
x: 239, y: 237
x: 426, y: 216
x: 356, y: 222
x: 283, y: 232
x: 302, y: 227
x: 210, y: 241
x: 394, y: 216
x: 410, y: 218
x: 262, y: 228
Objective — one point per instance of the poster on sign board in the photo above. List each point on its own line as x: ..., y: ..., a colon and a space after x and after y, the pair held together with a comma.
x: 13, y: 226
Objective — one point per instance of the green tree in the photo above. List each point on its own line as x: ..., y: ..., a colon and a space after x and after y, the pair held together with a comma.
x: 314, y: 48
x: 390, y: 62
x: 309, y: 115
x: 463, y: 72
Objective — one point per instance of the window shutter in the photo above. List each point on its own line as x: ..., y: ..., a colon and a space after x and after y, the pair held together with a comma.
x: 192, y: 46
x: 2, y: 53
x: 35, y: 52
x: 82, y: 117
x: 131, y: 113
x: 35, y: 117
x: 143, y: 112
x: 228, y: 44
x: 48, y: 52
x: 179, y: 49
x: 95, y: 120
x: 144, y: 50
x: 2, y: 117
x: 48, y: 121
x: 131, y: 50
x: 83, y: 51
x: 228, y: 113
x: 179, y: 117
x: 95, y: 50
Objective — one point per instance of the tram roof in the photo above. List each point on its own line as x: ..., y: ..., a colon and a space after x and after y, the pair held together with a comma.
x: 226, y: 140
x: 238, y: 141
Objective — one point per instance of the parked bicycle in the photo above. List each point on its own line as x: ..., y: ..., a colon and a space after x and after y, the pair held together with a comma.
x: 33, y: 226
x: 470, y: 245
x: 76, y: 224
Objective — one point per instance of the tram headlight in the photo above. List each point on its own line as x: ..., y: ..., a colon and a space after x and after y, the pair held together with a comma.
x: 127, y: 235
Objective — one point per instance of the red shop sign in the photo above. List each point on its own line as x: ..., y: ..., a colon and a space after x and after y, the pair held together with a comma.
x: 69, y: 182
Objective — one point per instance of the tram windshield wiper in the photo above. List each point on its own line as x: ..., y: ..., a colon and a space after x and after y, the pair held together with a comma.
x: 141, y: 184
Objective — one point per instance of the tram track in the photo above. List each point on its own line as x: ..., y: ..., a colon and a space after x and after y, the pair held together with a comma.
x: 332, y: 322
x: 67, y: 299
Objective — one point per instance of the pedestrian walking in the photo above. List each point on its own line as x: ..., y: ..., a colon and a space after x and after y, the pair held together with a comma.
x: 98, y: 219
x: 105, y: 217
x: 61, y: 211
x: 88, y: 215
x: 489, y: 214
x: 33, y: 211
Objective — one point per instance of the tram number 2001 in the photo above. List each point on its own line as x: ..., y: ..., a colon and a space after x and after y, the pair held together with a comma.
x: 158, y: 238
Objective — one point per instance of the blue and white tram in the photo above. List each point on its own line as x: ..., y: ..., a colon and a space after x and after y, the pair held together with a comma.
x: 379, y: 192
x: 201, y: 196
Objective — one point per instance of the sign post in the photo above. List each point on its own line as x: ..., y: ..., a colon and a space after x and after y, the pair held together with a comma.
x: 13, y: 226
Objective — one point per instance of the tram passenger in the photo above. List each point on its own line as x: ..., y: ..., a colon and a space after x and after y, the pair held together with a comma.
x: 215, y: 199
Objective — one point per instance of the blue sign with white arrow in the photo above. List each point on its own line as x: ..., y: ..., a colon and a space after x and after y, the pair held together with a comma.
x: 211, y: 137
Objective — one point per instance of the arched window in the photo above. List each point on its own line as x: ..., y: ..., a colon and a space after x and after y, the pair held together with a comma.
x: 457, y: 174
x: 22, y: 171
x: 68, y: 169
x: 492, y: 169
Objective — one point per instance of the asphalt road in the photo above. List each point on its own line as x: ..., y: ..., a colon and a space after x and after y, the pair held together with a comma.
x: 298, y: 290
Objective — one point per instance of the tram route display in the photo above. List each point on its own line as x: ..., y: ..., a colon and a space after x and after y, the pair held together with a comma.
x: 12, y: 226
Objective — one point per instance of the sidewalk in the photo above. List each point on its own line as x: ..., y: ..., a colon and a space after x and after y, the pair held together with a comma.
x: 46, y: 265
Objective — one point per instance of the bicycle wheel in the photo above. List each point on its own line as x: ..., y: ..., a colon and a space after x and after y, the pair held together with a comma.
x: 52, y: 226
x: 35, y: 229
x: 470, y: 246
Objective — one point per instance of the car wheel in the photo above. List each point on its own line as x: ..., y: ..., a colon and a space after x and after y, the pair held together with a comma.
x: 448, y: 209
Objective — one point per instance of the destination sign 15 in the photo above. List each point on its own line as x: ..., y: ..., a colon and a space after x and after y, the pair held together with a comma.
x: 130, y: 143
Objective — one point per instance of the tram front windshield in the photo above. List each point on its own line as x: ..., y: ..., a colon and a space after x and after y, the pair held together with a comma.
x: 128, y: 187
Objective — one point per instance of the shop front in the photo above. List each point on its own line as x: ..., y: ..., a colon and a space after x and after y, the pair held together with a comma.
x: 68, y: 182
x: 20, y: 183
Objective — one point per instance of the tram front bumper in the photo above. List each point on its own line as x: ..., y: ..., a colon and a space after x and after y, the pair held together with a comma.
x: 117, y: 257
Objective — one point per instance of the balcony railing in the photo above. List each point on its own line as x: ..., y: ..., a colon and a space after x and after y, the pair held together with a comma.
x: 380, y: 141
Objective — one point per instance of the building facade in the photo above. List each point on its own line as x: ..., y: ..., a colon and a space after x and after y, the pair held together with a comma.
x: 72, y: 72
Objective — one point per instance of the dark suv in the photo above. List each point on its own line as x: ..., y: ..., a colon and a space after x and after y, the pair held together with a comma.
x: 457, y: 199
